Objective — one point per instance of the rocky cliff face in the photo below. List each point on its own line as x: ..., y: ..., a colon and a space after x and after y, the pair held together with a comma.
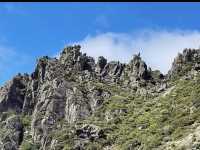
x: 189, y: 59
x: 63, y: 92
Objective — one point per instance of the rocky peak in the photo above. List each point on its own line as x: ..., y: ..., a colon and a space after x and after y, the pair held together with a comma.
x: 70, y: 54
x: 101, y: 64
x: 73, y: 59
x: 138, y: 68
x: 85, y: 62
x: 186, y: 61
x: 40, y: 69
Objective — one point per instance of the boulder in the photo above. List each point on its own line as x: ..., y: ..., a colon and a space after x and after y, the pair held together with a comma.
x: 89, y: 131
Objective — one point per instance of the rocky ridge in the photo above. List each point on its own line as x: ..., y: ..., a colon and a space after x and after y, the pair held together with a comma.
x: 62, y: 92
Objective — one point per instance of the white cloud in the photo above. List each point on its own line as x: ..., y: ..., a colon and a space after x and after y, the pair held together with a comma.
x: 158, y: 48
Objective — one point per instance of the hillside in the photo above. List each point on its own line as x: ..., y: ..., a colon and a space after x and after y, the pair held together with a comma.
x: 71, y: 102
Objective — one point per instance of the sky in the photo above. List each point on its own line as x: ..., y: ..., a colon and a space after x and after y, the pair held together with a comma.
x: 113, y: 30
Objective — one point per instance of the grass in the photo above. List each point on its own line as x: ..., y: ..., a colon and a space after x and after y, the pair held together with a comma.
x: 153, y: 119
x: 26, y: 145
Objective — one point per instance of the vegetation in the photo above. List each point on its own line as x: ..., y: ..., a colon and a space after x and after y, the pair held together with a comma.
x: 153, y: 120
x: 28, y: 146
x: 131, y: 120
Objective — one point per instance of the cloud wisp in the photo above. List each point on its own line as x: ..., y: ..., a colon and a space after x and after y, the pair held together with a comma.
x: 158, y: 48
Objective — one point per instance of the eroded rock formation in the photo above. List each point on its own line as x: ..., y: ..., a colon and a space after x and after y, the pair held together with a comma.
x: 69, y: 89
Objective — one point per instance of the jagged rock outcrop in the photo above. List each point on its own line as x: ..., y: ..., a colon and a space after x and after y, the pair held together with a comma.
x: 72, y: 88
x: 188, y: 60
x: 72, y: 58
x: 112, y: 71
x: 58, y: 96
x: 101, y: 64
x: 138, y: 69
x: 90, y: 132
x: 86, y: 133
x: 12, y: 95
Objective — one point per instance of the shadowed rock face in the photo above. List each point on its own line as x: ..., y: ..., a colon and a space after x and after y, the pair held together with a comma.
x: 101, y: 64
x: 65, y: 89
x: 12, y: 95
x: 139, y: 68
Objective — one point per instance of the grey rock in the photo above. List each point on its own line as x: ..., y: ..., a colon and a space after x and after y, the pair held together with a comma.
x: 134, y: 145
x: 89, y: 131
x: 185, y: 62
x: 139, y: 68
x: 13, y: 93
x: 13, y: 135
x: 101, y: 64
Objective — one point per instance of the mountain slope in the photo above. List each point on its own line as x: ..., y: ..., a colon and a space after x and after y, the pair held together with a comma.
x: 74, y: 103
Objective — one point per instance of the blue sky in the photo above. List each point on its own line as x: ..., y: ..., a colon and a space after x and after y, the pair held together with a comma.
x: 116, y: 30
